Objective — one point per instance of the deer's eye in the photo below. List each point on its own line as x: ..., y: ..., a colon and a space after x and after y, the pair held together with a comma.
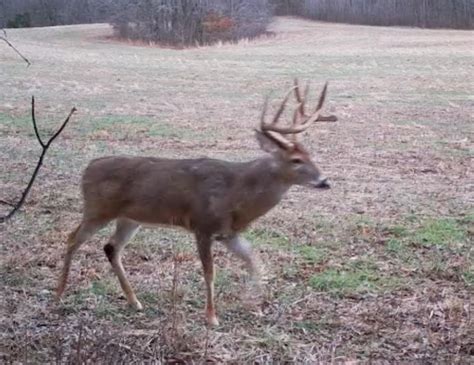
x: 296, y: 160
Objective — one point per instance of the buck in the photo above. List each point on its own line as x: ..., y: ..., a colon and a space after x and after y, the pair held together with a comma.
x: 214, y: 199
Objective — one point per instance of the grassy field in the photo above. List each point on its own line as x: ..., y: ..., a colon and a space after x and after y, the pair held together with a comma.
x: 379, y: 268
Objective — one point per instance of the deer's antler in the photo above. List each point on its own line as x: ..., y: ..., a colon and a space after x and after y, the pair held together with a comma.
x: 301, y: 121
x: 316, y: 116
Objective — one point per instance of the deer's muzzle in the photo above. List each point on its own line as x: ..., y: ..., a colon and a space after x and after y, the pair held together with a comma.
x: 321, y: 183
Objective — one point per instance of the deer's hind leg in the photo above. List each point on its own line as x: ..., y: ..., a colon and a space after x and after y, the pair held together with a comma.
x: 124, y: 231
x: 81, y: 234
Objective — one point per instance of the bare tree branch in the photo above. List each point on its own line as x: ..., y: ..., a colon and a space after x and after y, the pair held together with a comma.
x: 6, y: 203
x: 4, y: 38
x: 45, y: 147
x: 35, y: 125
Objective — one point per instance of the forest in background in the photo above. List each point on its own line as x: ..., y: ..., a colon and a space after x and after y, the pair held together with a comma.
x: 189, y: 22
x: 456, y: 14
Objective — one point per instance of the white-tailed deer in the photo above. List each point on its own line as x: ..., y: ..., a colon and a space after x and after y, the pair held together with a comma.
x: 214, y: 199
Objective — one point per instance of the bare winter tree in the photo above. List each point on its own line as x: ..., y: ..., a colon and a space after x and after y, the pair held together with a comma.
x: 187, y: 22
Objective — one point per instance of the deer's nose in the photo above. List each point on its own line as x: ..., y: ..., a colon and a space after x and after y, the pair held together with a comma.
x: 322, y: 183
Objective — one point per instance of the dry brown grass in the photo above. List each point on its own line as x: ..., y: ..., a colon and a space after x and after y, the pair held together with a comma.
x: 379, y: 268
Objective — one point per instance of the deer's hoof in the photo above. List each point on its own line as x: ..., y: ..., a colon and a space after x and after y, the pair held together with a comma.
x: 137, y: 305
x: 212, y: 321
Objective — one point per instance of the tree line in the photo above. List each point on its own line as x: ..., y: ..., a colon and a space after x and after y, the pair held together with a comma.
x: 187, y: 22
x: 40, y: 13
x: 181, y: 22
x: 420, y: 13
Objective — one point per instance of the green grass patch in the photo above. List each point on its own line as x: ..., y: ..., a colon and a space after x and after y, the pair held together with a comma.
x: 443, y: 232
x: 468, y: 276
x: 342, y: 282
x: 395, y: 246
x: 223, y: 279
x: 268, y: 237
x: 100, y: 295
x: 360, y: 276
x: 397, y: 231
x: 21, y: 123
x: 396, y: 243
x: 312, y: 255
x: 433, y: 232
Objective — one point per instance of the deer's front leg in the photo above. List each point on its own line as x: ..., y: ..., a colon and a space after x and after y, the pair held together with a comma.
x: 205, y: 253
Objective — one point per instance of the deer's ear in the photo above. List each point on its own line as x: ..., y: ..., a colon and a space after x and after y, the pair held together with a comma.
x: 267, y: 144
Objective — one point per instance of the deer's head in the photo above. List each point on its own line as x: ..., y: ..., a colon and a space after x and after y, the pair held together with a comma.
x: 293, y: 161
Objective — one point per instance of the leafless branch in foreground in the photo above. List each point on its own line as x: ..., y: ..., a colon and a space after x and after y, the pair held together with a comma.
x: 4, y: 38
x: 6, y: 203
x: 45, y: 147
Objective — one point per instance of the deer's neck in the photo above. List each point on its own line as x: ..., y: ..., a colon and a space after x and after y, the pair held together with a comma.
x: 261, y: 187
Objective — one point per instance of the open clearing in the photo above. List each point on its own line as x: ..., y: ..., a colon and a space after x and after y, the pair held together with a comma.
x: 379, y: 268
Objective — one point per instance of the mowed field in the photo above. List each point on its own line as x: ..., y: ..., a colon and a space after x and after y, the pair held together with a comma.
x: 379, y: 268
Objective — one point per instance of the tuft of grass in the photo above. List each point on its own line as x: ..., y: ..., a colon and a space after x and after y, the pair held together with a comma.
x: 101, y: 288
x: 397, y: 231
x: 395, y: 246
x: 340, y: 282
x: 443, y: 232
x: 468, y: 276
x: 15, y: 279
x: 311, y: 255
x: 360, y: 276
x: 100, y: 296
x: 223, y: 279
x: 268, y: 237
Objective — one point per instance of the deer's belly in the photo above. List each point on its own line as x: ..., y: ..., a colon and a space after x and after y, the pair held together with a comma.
x: 169, y: 217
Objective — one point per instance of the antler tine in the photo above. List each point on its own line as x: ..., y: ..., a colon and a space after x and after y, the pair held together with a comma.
x: 282, y: 107
x: 295, y: 121
x: 295, y: 114
x: 315, y: 117
x: 301, y: 100
x: 264, y: 111
x: 322, y: 98
x: 297, y: 91
x: 270, y: 129
x: 266, y: 128
x: 306, y: 93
